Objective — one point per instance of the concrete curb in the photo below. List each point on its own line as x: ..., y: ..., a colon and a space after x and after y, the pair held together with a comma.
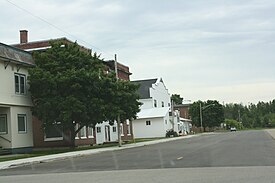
x: 271, y: 132
x: 48, y: 158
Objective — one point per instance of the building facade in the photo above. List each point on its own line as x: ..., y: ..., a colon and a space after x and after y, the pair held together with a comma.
x: 153, y: 118
x: 87, y: 135
x: 16, y: 134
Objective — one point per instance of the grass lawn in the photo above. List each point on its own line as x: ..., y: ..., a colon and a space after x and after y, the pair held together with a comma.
x: 36, y: 153
x: 44, y: 152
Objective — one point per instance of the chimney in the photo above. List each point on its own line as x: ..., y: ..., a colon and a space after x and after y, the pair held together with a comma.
x: 23, y: 36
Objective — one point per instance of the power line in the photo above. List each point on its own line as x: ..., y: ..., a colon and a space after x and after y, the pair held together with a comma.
x: 56, y: 27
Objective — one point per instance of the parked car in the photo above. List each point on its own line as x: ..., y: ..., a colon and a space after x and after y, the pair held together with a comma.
x: 233, y: 129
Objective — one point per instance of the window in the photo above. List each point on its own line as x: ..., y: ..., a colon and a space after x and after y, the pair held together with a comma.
x: 128, y: 130
x: 168, y: 104
x: 155, y: 103
x: 114, y: 129
x: 148, y: 123
x: 20, y: 83
x: 162, y: 104
x: 22, y: 123
x: 54, y: 132
x: 121, y: 129
x: 3, y: 124
x: 98, y: 129
x: 90, y: 132
x: 83, y: 132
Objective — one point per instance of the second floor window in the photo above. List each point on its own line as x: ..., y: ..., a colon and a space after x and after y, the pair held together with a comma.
x: 20, y: 83
x: 162, y: 104
x: 155, y: 103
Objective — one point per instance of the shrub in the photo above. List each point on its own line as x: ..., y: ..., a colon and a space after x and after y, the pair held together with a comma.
x: 171, y: 133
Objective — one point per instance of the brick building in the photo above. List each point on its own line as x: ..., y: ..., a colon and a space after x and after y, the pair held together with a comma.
x: 87, y: 135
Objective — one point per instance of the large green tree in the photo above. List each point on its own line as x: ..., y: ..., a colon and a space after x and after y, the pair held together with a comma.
x: 212, y: 113
x: 70, y: 86
x: 176, y: 98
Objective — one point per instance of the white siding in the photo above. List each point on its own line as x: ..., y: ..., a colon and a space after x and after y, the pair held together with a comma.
x: 21, y: 139
x: 13, y: 104
x: 101, y: 137
x: 160, y: 93
x: 7, y: 91
x: 156, y: 129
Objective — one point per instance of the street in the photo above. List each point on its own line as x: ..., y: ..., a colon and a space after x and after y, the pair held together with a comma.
x: 230, y: 149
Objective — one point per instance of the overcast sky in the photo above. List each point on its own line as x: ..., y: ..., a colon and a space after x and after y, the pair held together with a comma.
x: 203, y: 49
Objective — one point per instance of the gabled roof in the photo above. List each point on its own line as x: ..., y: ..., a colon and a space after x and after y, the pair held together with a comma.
x: 15, y: 55
x: 153, y: 112
x: 145, y: 85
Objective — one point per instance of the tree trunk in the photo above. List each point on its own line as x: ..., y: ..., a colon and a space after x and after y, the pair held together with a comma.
x: 72, y: 144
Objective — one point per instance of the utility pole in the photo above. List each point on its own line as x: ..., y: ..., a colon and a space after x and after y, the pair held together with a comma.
x: 201, y: 116
x: 202, y: 108
x: 118, y: 115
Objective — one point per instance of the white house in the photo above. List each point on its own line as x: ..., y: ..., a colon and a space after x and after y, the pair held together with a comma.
x: 106, y: 132
x: 15, y: 102
x: 153, y: 118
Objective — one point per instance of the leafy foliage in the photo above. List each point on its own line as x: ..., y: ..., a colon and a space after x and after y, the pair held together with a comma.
x: 172, y: 133
x: 212, y: 112
x: 233, y: 123
x: 71, y: 87
x: 260, y: 115
x: 176, y: 98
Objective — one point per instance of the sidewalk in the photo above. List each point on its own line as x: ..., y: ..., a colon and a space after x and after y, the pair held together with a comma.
x: 271, y: 132
x: 48, y: 158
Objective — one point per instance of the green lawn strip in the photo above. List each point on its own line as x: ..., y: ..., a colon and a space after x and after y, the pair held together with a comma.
x: 37, y: 153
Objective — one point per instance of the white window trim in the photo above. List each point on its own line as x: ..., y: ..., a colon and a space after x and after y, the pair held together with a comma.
x: 52, y: 139
x: 25, y: 85
x: 98, y: 128
x: 25, y: 118
x: 47, y: 139
x: 113, y: 129
x: 85, y: 133
x: 90, y: 132
x: 129, y: 130
x: 6, y: 120
x: 121, y: 130
x: 77, y: 135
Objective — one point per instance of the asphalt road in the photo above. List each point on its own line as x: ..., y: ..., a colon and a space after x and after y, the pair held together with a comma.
x: 232, y: 149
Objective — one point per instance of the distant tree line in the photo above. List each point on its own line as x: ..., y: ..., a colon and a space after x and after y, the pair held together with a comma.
x: 260, y: 115
x: 257, y: 115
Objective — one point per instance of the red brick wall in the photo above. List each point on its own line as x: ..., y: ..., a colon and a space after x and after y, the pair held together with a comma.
x: 126, y: 136
x: 184, y: 111
x: 38, y: 137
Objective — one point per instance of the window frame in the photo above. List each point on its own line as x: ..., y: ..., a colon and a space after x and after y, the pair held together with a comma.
x: 114, y: 129
x: 162, y: 104
x: 6, y: 124
x: 18, y: 85
x: 25, y: 123
x: 90, y: 132
x: 53, y: 138
x: 98, y: 129
x: 84, y: 130
x: 155, y: 103
x: 148, y: 123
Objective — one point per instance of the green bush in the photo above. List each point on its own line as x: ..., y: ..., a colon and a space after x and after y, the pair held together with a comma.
x: 171, y: 133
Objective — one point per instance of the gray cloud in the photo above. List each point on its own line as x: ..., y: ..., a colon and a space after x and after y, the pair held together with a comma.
x: 203, y: 49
